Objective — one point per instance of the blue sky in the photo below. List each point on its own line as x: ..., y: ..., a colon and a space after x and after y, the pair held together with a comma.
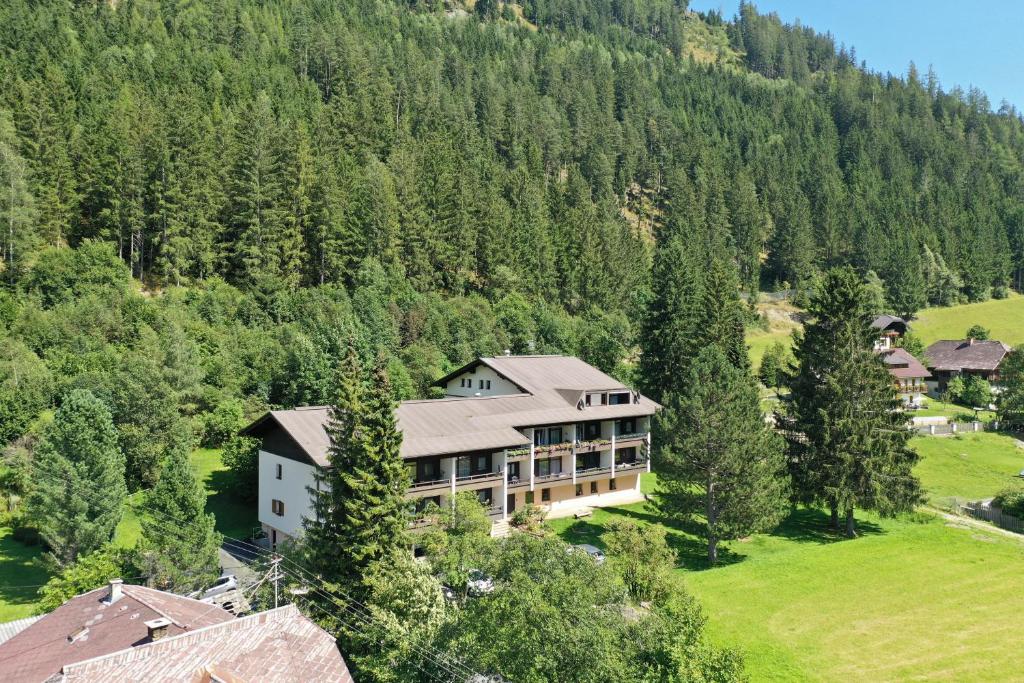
x: 968, y: 43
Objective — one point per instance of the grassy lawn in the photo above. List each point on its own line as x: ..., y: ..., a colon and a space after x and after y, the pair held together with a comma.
x: 234, y: 518
x: 18, y: 566
x: 1004, y: 317
x: 970, y: 466
x: 20, y: 575
x: 912, y: 598
x: 758, y: 342
x: 934, y: 408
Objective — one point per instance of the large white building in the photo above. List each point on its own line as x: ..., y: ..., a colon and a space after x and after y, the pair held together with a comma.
x: 548, y: 430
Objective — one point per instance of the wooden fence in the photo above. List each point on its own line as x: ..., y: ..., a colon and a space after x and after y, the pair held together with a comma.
x: 991, y: 514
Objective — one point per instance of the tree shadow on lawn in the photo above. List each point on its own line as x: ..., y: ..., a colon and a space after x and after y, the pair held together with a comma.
x: 20, y: 571
x: 235, y: 517
x: 802, y: 525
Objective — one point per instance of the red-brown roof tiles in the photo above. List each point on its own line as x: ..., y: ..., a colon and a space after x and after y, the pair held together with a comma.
x: 88, y: 626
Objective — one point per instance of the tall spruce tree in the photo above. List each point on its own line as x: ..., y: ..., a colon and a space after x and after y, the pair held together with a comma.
x: 846, y: 431
x: 179, y: 547
x: 717, y: 457
x: 78, y: 484
x: 360, y: 512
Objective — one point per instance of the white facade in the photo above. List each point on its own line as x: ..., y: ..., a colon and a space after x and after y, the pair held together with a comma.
x: 292, y: 490
x: 482, y: 381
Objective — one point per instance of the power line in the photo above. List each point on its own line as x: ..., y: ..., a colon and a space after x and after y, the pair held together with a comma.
x: 362, y: 613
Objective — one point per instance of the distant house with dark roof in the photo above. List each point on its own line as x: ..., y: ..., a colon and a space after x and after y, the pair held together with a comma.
x: 133, y: 634
x: 948, y: 358
x: 551, y: 431
x: 890, y: 328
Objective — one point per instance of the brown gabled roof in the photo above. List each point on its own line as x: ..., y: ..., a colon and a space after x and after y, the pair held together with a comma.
x: 88, y: 626
x: 552, y: 385
x: 276, y: 646
x: 966, y: 354
x: 902, y: 364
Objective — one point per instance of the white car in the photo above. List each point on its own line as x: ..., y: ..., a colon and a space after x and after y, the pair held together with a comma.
x: 594, y: 552
x: 479, y: 583
x: 226, y: 583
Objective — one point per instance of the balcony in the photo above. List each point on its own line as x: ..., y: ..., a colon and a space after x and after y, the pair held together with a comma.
x: 518, y: 482
x: 591, y: 473
x: 623, y: 439
x: 547, y: 478
x: 518, y: 454
x: 431, y: 486
x: 480, y: 480
x: 553, y: 449
x: 592, y: 445
x: 627, y: 466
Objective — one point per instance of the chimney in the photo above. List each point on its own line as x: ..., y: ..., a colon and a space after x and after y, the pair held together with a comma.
x: 115, y: 591
x: 508, y: 352
x: 78, y: 635
x: 157, y: 628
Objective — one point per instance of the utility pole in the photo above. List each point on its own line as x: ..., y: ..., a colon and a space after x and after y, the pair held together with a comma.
x: 276, y: 578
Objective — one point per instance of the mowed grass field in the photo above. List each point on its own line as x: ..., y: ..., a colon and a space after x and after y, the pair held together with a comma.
x: 1003, y: 317
x: 914, y: 598
x: 969, y: 467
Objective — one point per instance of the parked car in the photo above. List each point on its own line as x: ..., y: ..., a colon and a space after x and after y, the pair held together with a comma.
x: 595, y: 553
x: 226, y: 583
x: 479, y: 583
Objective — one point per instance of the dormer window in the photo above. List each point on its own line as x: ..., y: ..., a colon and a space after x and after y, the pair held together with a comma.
x: 619, y: 399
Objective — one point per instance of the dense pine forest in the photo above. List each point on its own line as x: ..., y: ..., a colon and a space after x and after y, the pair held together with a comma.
x: 203, y: 203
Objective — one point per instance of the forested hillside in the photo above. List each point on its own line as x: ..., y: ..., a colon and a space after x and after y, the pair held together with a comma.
x: 246, y: 186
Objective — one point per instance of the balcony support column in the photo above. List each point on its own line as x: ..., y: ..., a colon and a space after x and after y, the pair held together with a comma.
x: 533, y: 455
x: 504, y: 485
x: 455, y: 474
x: 572, y: 456
x: 613, y: 451
x: 648, y: 439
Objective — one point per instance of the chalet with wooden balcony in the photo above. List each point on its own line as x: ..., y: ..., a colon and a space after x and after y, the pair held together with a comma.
x: 551, y: 431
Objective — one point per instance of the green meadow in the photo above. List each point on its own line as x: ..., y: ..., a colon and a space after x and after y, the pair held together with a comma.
x: 913, y: 598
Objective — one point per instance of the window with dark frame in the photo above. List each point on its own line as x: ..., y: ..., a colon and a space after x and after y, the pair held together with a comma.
x: 545, y: 495
x: 277, y: 507
x: 277, y: 471
x: 579, y: 489
x: 593, y: 487
x: 612, y: 485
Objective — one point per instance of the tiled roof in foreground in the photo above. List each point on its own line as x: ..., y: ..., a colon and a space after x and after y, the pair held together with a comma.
x: 276, y: 646
x: 88, y: 625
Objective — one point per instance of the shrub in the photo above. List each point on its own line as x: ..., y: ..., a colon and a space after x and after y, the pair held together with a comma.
x: 1011, y: 501
x: 529, y: 517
